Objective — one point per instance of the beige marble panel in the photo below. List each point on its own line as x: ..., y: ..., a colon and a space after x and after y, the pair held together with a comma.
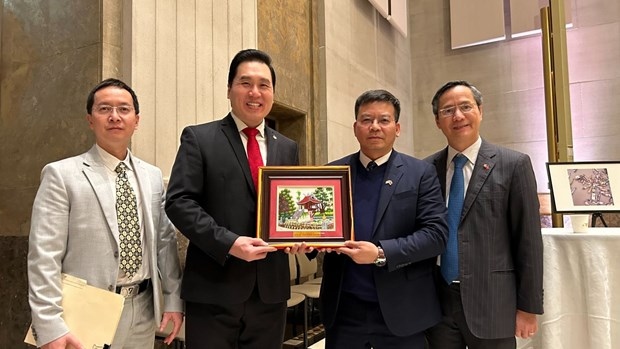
x: 249, y: 33
x: 235, y: 32
x: 474, y: 22
x: 221, y: 58
x: 204, y: 59
x: 186, y: 67
x: 363, y: 51
x: 595, y: 12
x: 526, y: 64
x: 338, y: 17
x: 599, y: 114
x: 599, y: 148
x: 593, y: 52
x: 514, y: 116
x: 166, y: 82
x: 430, y: 30
x: 180, y: 58
x: 427, y: 138
x: 342, y: 88
x: 341, y: 141
x: 111, y: 61
x: 111, y: 26
x: 365, y: 41
x: 143, y: 74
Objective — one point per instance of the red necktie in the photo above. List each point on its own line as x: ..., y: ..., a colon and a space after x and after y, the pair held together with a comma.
x: 254, y: 158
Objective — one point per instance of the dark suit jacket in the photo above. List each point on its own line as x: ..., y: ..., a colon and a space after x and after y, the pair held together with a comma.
x: 500, y: 242
x: 212, y: 200
x: 411, y: 228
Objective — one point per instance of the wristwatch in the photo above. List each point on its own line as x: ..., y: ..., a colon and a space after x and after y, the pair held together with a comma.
x: 381, y: 260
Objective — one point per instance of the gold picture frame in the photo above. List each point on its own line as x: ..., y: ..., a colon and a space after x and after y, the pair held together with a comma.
x: 310, y: 204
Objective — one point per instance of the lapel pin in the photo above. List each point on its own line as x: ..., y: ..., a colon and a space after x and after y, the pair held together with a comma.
x: 389, y: 182
x: 485, y: 166
x: 274, y: 137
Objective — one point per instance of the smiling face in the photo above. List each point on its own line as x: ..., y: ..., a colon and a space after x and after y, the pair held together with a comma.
x: 461, y: 129
x: 251, y: 92
x: 113, y: 127
x: 376, y: 128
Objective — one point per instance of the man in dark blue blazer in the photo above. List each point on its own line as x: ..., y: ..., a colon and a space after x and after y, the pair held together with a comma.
x: 497, y: 290
x: 378, y: 290
x: 234, y: 284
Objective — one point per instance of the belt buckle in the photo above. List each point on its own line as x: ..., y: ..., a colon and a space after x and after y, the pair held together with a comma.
x: 129, y: 291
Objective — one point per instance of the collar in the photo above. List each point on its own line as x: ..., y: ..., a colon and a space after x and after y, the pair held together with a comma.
x: 379, y: 161
x: 241, y: 125
x: 110, y: 161
x: 471, y: 152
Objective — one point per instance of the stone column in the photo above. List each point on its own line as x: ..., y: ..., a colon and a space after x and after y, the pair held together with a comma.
x: 52, y: 53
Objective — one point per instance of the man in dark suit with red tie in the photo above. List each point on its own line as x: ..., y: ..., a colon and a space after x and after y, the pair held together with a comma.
x: 235, y: 286
x: 490, y: 284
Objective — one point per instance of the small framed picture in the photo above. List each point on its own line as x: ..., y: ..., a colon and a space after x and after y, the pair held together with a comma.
x: 584, y: 186
x: 310, y: 204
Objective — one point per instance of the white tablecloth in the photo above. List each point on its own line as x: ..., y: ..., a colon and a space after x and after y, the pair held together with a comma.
x: 582, y: 291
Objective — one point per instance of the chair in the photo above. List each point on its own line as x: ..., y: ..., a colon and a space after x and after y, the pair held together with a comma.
x: 296, y: 299
x: 307, y: 270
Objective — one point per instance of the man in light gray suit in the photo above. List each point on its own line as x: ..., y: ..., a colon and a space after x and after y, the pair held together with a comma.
x: 77, y: 229
x: 494, y: 290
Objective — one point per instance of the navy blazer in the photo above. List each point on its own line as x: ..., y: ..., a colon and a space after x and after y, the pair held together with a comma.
x: 500, y: 242
x: 411, y: 228
x: 212, y: 200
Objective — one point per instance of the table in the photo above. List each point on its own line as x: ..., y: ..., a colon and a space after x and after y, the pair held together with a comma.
x: 582, y: 291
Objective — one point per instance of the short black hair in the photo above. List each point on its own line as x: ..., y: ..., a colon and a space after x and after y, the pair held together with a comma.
x: 250, y: 55
x: 449, y: 85
x: 378, y: 96
x: 107, y: 83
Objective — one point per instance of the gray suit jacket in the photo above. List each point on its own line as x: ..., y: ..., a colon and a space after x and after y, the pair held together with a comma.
x: 500, y: 241
x: 74, y: 231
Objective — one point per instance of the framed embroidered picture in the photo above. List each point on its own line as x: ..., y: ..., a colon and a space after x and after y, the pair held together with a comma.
x: 310, y: 204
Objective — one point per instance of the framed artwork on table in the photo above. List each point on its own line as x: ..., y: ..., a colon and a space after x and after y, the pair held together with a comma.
x: 584, y: 186
x: 310, y: 204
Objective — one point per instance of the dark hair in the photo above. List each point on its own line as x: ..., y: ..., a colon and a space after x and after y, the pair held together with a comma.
x: 250, y: 55
x: 450, y: 85
x: 378, y: 96
x: 107, y: 83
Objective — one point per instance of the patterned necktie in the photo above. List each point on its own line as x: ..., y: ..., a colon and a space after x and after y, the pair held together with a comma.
x: 450, y: 258
x: 128, y: 225
x: 371, y: 166
x: 254, y: 157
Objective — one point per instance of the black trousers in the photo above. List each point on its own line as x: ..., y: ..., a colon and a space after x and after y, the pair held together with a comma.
x: 249, y: 325
x: 452, y: 332
x: 359, y: 324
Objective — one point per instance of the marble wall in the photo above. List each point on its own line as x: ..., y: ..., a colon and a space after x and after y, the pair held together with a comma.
x: 51, y: 55
x: 180, y: 53
x: 361, y: 51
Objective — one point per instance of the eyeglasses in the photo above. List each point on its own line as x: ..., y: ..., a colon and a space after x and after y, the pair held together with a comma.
x: 107, y: 109
x: 449, y: 112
